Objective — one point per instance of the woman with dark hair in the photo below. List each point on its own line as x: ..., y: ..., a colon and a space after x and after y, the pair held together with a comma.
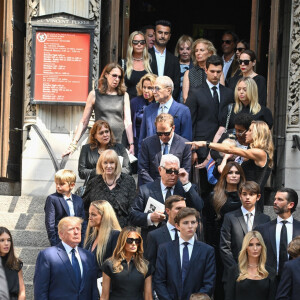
x: 251, y: 279
x: 241, y: 46
x: 127, y: 275
x: 137, y: 62
x: 101, y: 138
x: 247, y: 62
x: 117, y: 188
x: 103, y: 230
x: 12, y: 266
x: 144, y: 97
x: 110, y: 103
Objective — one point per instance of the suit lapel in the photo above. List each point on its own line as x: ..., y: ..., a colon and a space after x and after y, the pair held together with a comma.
x: 167, y: 63
x: 157, y: 149
x: 272, y: 232
x: 84, y: 259
x: 75, y: 204
x: 174, y: 144
x: 195, y: 253
x: 61, y: 251
x: 241, y: 219
x: 64, y: 204
x: 166, y: 234
x: 177, y: 255
x: 154, y: 108
x: 154, y: 62
x: 173, y: 109
x: 256, y: 218
x: 157, y: 192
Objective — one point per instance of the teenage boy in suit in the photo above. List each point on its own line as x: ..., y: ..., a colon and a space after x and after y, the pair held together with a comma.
x: 62, y: 204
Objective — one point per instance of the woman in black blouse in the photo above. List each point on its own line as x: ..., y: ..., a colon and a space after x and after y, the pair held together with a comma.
x: 103, y: 231
x: 247, y: 62
x: 117, y: 188
x: 101, y: 138
x: 251, y: 279
x: 12, y: 266
x: 127, y: 275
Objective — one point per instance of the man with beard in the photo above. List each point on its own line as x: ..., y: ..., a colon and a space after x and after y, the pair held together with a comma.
x: 278, y: 233
x: 163, y: 61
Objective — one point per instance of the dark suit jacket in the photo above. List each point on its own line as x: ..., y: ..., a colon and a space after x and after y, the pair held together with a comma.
x: 200, y: 275
x: 233, y: 70
x: 268, y: 232
x: 150, y: 156
x: 172, y: 69
x: 233, y: 230
x: 289, y: 285
x: 153, y: 189
x: 182, y: 121
x: 206, y: 116
x: 88, y: 160
x: 154, y: 239
x: 57, y: 208
x: 54, y: 277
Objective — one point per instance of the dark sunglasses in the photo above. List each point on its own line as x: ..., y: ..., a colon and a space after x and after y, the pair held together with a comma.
x: 135, y: 42
x: 104, y: 131
x: 164, y: 133
x: 228, y: 42
x: 240, y: 49
x: 171, y: 171
x: 131, y: 240
x: 245, y: 61
x: 115, y: 76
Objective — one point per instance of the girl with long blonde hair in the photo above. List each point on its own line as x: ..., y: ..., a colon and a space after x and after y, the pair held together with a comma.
x: 127, y: 275
x: 102, y: 231
x: 251, y: 279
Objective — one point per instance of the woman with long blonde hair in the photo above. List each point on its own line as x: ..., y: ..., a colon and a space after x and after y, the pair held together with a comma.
x: 251, y: 279
x: 258, y: 158
x: 127, y: 275
x: 137, y: 62
x: 102, y: 231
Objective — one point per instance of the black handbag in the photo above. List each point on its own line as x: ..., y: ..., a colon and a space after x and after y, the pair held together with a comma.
x: 80, y: 191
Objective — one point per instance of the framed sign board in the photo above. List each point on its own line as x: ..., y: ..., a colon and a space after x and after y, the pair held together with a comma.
x: 62, y: 63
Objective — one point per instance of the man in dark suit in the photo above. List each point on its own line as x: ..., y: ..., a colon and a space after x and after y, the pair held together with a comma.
x: 163, y: 142
x: 167, y: 232
x: 62, y: 204
x: 184, y: 266
x: 237, y: 223
x: 160, y: 190
x: 278, y: 233
x: 66, y: 271
x: 165, y: 104
x: 164, y: 62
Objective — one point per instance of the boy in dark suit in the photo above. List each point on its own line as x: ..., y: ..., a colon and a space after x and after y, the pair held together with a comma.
x: 184, y: 266
x: 62, y: 204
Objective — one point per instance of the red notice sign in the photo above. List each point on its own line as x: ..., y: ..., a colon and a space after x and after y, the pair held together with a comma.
x: 62, y: 67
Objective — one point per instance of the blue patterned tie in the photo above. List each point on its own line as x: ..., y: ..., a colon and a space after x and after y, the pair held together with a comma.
x: 166, y: 150
x: 76, y: 268
x: 185, y: 261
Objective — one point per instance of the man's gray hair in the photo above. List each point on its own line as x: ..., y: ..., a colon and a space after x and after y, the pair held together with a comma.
x: 169, y: 158
x: 166, y: 81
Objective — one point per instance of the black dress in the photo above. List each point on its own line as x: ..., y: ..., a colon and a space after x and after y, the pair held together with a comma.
x: 247, y: 289
x: 129, y: 283
x: 110, y: 247
x: 12, y: 279
x: 120, y: 197
x: 133, y: 81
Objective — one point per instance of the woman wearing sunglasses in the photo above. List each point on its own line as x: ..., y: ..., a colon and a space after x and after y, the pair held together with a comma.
x: 110, y: 103
x: 247, y: 62
x: 127, y: 275
x: 137, y: 62
x: 241, y: 46
x: 100, y: 139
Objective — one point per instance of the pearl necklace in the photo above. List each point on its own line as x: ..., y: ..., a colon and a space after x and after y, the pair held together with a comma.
x: 137, y: 59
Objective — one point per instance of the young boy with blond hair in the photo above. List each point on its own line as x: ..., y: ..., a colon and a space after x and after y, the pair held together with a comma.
x: 63, y: 204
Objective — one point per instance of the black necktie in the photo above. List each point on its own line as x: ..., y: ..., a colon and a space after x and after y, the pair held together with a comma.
x: 168, y: 194
x: 283, y: 255
x: 176, y: 234
x: 76, y: 268
x: 185, y: 261
x: 166, y: 150
x: 216, y: 96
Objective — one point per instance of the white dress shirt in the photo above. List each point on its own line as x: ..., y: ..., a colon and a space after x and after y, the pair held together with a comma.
x: 210, y: 85
x: 289, y: 229
x: 160, y: 59
x: 190, y: 247
x: 227, y: 65
x: 68, y: 250
x: 245, y: 212
x: 70, y: 204
x: 166, y: 107
x: 172, y: 231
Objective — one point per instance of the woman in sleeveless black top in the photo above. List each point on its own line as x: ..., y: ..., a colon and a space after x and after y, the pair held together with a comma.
x: 258, y: 157
x: 111, y: 104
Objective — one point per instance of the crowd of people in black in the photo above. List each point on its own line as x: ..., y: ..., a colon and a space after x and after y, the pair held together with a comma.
x: 200, y: 130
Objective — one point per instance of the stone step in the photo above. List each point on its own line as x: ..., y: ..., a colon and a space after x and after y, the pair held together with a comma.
x: 26, y: 221
x: 22, y: 204
x: 28, y: 254
x: 32, y: 238
x: 29, y: 291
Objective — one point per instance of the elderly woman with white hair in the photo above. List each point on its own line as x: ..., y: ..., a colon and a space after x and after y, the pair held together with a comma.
x: 148, y: 209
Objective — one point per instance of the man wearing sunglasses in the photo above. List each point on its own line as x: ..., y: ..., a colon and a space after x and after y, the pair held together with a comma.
x: 163, y: 142
x: 228, y: 44
x: 160, y: 189
x: 163, y: 61
x: 163, y: 88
